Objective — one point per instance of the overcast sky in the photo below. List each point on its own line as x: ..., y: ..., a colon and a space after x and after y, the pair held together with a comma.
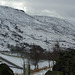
x: 55, y: 8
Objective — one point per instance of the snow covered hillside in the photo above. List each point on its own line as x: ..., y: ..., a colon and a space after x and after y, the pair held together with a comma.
x: 18, y: 27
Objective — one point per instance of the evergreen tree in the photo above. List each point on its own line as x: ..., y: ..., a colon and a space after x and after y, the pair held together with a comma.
x: 66, y: 62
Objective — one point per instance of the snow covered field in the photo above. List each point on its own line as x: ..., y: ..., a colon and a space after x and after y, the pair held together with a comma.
x: 19, y: 62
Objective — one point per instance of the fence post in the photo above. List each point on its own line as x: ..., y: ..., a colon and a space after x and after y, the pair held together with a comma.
x: 28, y: 69
x: 24, y: 68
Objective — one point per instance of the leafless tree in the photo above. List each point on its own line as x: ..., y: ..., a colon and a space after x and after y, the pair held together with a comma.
x: 35, y: 54
x: 56, y: 51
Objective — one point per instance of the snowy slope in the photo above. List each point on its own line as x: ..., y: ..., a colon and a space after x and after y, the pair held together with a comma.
x: 57, y: 25
x: 18, y: 27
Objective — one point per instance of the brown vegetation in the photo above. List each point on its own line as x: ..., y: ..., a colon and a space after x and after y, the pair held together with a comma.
x: 35, y: 70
